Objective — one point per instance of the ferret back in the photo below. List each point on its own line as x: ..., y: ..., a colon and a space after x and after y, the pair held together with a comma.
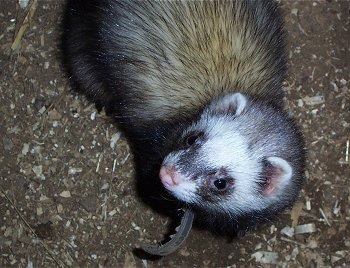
x: 164, y: 60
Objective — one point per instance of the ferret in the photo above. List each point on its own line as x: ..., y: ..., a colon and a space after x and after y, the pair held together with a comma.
x: 196, y: 87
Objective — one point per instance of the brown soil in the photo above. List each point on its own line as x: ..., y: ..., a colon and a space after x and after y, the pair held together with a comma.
x: 68, y: 196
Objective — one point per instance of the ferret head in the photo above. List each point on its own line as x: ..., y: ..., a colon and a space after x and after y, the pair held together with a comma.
x: 240, y: 156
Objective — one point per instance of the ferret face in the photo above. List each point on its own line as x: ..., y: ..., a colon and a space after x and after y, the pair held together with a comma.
x: 215, y: 167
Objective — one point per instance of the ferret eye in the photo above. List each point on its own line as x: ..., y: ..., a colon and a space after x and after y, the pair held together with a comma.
x: 221, y: 184
x: 191, y: 139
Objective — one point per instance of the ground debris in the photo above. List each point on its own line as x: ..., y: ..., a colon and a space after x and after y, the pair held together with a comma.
x: 315, y: 100
x: 63, y: 162
x: 65, y: 194
x: 305, y: 228
x: 288, y: 231
x: 265, y: 257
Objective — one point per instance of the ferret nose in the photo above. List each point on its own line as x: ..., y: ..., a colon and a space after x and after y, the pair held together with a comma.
x: 169, y: 176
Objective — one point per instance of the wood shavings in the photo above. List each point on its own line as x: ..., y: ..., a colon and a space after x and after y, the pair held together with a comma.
x: 23, y: 3
x: 46, y: 65
x: 43, y: 198
x: 302, y: 29
x: 105, y: 187
x: 74, y: 170
x: 30, y: 264
x: 295, y: 253
x: 8, y: 232
x: 42, y: 110
x: 144, y: 263
x: 312, y: 244
x: 305, y: 228
x: 114, y: 164
x: 312, y: 74
x: 324, y: 217
x: 38, y: 171
x: 294, y: 11
x: 265, y: 257
x: 39, y: 211
x: 338, y: 255
x: 65, y: 194
x: 288, y: 231
x: 112, y: 213
x: 308, y: 204
x: 345, y: 161
x: 99, y: 162
x: 114, y: 139
x: 335, y: 87
x: 273, y: 229
x: 135, y: 226
x: 295, y: 213
x: 315, y: 100
x: 293, y: 242
x: 24, y: 25
x: 59, y: 208
x: 336, y: 208
x: 25, y: 148
x: 93, y: 116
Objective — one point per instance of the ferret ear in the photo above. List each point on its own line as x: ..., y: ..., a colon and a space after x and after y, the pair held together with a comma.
x: 229, y: 104
x: 278, y: 174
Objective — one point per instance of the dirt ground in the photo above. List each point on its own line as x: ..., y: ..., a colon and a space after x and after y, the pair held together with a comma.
x: 66, y: 174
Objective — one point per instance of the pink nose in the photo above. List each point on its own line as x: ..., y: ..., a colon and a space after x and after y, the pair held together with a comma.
x: 169, y: 176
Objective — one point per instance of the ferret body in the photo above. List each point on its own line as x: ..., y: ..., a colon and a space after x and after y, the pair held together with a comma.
x: 196, y: 86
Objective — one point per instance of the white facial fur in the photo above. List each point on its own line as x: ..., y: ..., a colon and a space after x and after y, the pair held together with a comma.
x: 226, y: 148
x: 223, y: 147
